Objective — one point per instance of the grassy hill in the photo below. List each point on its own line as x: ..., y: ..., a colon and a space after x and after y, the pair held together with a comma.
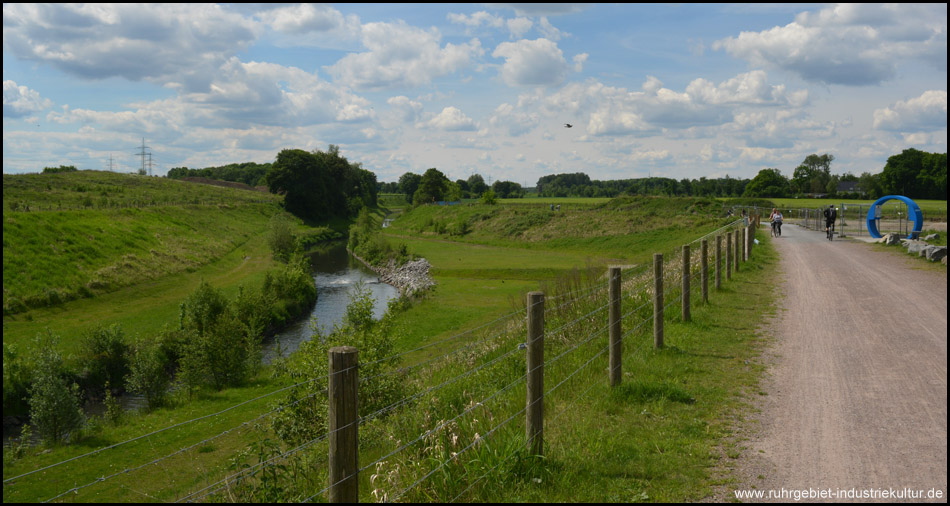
x: 81, y: 234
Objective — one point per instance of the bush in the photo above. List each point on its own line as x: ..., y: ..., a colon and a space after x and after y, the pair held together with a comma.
x: 281, y: 238
x: 55, y: 405
x: 104, y: 358
x: 148, y: 376
x: 304, y: 413
x: 17, y: 376
x: 219, y: 352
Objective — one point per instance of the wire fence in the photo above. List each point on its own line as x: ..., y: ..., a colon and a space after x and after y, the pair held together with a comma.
x: 462, y: 408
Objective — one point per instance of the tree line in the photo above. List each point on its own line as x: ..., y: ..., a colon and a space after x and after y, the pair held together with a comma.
x: 912, y: 173
x: 435, y: 186
x: 249, y: 173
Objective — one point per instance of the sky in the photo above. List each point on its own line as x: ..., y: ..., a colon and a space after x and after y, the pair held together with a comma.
x: 680, y: 91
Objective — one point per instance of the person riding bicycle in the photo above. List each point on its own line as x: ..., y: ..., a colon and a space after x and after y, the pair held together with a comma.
x: 776, y: 219
x: 830, y: 216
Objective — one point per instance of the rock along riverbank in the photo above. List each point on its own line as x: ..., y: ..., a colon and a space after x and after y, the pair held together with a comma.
x: 410, y: 278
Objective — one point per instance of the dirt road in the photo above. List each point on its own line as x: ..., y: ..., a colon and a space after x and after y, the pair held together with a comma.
x: 857, y: 390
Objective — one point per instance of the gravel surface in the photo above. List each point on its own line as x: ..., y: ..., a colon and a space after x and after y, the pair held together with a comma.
x: 856, y: 396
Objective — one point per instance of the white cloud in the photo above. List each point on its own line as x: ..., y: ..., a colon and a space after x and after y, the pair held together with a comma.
x: 516, y: 122
x: 548, y: 31
x: 517, y: 27
x: 477, y: 19
x: 18, y: 101
x: 926, y: 112
x: 532, y: 63
x: 242, y: 96
x: 401, y: 55
x: 407, y: 110
x: 848, y: 44
x: 304, y: 18
x: 451, y: 119
x: 173, y: 43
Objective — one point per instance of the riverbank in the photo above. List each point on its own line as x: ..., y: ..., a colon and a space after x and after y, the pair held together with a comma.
x: 410, y: 278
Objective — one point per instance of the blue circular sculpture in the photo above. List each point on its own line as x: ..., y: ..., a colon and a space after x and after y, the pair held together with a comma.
x: 913, y: 210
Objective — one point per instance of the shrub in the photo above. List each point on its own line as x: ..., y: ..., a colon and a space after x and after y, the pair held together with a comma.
x: 219, y: 351
x: 17, y: 376
x: 104, y: 358
x: 281, y: 238
x: 55, y: 405
x: 147, y: 374
x: 304, y: 413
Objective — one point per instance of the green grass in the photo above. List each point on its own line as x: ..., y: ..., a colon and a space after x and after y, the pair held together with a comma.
x: 139, y: 229
x: 165, y: 480
x: 653, y: 439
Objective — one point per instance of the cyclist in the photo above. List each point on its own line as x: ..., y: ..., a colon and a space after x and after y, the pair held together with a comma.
x: 830, y: 216
x: 776, y: 219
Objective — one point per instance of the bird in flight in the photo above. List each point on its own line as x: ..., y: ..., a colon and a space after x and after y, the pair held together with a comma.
x: 568, y: 125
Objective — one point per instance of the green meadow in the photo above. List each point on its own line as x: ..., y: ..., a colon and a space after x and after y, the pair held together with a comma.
x: 661, y: 436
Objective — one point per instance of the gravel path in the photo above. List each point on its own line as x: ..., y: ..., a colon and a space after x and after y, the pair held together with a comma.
x: 857, y: 389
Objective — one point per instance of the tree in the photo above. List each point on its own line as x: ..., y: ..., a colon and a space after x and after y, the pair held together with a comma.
x: 321, y: 185
x: 507, y: 189
x: 432, y: 187
x: 916, y: 174
x: 767, y: 183
x: 813, y: 175
x: 476, y: 185
x: 408, y: 184
x: 871, y: 185
x: 55, y: 406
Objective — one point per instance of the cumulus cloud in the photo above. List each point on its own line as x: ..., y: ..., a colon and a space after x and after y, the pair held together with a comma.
x: 848, y: 44
x: 516, y: 121
x: 517, y: 27
x: 407, y: 110
x: 477, y: 19
x: 401, y: 55
x: 451, y: 119
x: 305, y: 18
x: 242, y: 96
x: 173, y: 43
x: 926, y: 112
x: 18, y: 101
x: 617, y: 111
x: 532, y: 63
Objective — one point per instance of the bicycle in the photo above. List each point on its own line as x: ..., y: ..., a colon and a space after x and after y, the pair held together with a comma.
x: 776, y: 228
x: 829, y: 231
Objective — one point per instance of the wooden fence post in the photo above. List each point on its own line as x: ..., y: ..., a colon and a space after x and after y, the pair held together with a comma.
x: 751, y: 233
x: 704, y: 265
x: 344, y: 426
x: 614, y: 374
x: 728, y: 256
x: 658, y: 300
x: 686, y: 280
x: 738, y: 254
x: 534, y: 411
x: 718, y: 262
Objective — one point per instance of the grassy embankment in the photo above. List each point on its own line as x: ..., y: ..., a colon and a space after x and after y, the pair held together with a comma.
x: 486, y: 257
x: 665, y: 423
x: 130, y: 257
x: 125, y: 249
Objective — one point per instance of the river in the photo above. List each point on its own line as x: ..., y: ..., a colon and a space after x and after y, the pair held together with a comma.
x: 335, y: 273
